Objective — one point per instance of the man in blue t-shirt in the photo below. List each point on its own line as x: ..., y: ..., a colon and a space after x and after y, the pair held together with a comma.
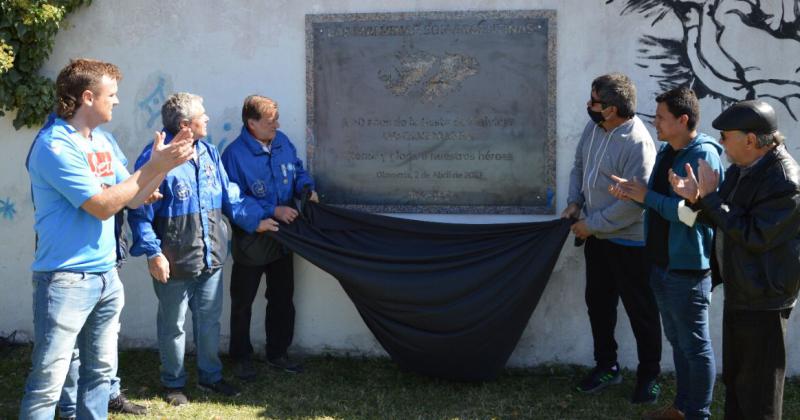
x: 78, y: 185
x: 117, y: 403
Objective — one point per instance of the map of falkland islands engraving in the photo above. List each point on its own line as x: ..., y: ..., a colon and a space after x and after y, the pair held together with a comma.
x: 427, y: 76
x: 435, y: 112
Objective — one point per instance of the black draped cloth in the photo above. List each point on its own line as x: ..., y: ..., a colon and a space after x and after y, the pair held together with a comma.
x: 446, y: 300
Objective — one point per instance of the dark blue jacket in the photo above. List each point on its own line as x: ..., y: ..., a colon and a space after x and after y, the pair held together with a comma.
x: 689, y: 247
x: 273, y: 179
x: 186, y: 225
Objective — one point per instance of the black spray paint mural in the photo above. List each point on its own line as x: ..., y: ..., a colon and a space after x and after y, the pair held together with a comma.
x: 731, y: 50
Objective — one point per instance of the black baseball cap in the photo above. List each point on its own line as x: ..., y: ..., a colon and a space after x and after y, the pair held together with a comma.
x: 749, y: 116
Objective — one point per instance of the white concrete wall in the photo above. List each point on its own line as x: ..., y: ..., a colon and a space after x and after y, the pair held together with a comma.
x: 225, y: 50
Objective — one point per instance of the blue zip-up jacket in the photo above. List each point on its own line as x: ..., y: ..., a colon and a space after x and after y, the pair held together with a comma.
x: 273, y: 178
x: 186, y: 225
x: 689, y: 247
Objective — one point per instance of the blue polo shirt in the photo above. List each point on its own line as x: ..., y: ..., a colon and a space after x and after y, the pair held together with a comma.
x: 67, y: 169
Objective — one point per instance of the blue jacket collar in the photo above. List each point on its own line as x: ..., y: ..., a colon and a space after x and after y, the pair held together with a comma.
x: 697, y: 141
x: 170, y: 136
x: 256, y: 147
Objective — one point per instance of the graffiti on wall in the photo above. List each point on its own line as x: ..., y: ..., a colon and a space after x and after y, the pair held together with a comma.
x: 7, y: 209
x: 724, y: 49
x: 149, y: 99
x: 222, y: 127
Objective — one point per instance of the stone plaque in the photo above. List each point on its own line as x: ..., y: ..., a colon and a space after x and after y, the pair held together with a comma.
x: 440, y: 112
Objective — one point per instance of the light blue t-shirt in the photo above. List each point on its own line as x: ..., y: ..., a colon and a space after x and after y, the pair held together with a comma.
x: 66, y: 169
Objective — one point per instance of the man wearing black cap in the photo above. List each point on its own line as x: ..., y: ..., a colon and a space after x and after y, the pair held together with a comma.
x: 756, y: 214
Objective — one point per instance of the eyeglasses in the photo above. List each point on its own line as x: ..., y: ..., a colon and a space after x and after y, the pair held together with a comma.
x: 594, y: 101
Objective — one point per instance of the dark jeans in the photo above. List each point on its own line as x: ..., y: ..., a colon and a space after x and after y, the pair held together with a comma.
x: 279, y: 320
x: 683, y: 298
x: 612, y: 272
x: 754, y: 363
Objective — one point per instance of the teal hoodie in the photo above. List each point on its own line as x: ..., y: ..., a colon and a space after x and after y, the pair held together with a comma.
x: 689, y: 246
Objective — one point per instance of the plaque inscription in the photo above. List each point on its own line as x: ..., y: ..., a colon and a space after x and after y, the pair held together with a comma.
x: 440, y: 112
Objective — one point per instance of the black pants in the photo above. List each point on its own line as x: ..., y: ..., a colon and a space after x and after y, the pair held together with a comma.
x: 754, y: 363
x: 279, y: 320
x: 612, y: 272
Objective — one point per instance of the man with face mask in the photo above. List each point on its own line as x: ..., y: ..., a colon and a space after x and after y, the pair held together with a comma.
x: 616, y: 140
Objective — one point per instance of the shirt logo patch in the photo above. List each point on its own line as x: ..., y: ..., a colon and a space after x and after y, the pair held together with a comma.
x: 100, y: 163
x: 259, y: 189
x: 182, y: 191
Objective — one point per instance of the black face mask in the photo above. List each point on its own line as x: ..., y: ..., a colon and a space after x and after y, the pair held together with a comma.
x: 596, y: 116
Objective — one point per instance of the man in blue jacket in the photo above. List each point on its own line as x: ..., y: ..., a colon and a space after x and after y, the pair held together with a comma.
x: 264, y: 163
x: 679, y: 252
x: 185, y: 240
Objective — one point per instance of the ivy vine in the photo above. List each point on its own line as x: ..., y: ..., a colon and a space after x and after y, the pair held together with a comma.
x: 27, y: 32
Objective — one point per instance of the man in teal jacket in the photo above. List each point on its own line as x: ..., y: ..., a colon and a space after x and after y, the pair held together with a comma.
x: 679, y: 252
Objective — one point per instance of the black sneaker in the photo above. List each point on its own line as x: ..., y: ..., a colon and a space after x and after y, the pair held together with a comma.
x: 175, y: 397
x: 286, y: 364
x: 646, y: 392
x: 121, y: 405
x: 244, y: 370
x: 600, y: 378
x: 221, y: 387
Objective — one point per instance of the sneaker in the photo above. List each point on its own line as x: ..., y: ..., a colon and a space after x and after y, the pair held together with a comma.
x: 600, y: 378
x: 646, y: 392
x: 221, y: 387
x: 665, y: 413
x: 175, y: 397
x: 121, y: 405
x: 244, y: 370
x: 286, y: 364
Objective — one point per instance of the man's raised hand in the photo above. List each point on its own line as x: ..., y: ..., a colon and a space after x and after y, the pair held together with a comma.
x: 167, y: 156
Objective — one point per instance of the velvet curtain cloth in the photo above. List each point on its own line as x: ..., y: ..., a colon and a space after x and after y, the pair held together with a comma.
x: 446, y: 300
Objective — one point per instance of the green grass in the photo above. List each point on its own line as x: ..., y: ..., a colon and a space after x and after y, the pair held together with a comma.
x: 361, y: 388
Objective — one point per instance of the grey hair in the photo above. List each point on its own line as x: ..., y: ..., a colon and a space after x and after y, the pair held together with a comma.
x: 617, y: 89
x: 181, y: 106
x: 766, y: 140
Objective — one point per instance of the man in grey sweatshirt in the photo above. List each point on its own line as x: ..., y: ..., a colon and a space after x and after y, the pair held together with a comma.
x: 615, y: 141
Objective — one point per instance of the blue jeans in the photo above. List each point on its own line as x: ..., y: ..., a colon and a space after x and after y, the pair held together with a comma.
x: 68, y: 308
x: 67, y: 404
x: 203, y: 295
x: 683, y: 301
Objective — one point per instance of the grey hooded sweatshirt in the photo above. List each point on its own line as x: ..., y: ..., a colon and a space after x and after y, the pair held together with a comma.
x: 627, y: 151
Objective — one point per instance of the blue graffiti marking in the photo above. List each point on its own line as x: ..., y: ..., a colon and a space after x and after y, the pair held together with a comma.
x: 7, y: 208
x: 224, y: 141
x: 151, y: 104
